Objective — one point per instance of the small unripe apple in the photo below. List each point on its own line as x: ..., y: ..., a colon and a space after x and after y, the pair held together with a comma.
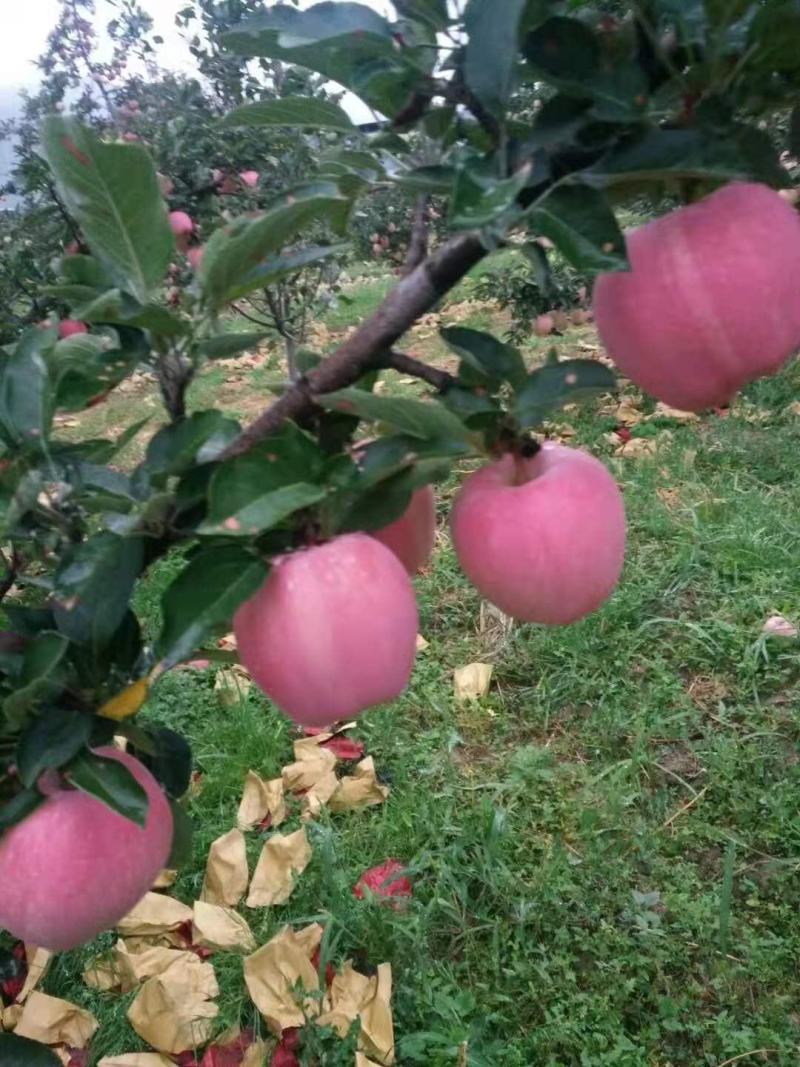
x: 69, y: 327
x: 332, y: 631
x: 544, y: 325
x: 542, y: 538
x: 412, y: 536
x: 249, y: 178
x: 711, y: 301
x: 74, y: 867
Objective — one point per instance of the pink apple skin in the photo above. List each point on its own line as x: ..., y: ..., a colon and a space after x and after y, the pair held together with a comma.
x: 547, y: 550
x: 412, y: 536
x: 181, y: 223
x: 74, y: 867
x: 195, y: 257
x: 332, y: 631
x: 711, y: 302
x: 69, y: 327
x: 249, y: 178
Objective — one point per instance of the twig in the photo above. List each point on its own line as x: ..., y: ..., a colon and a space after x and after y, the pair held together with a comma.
x: 399, y: 361
x: 174, y: 372
x: 413, y: 296
x: 418, y: 245
x: 744, y: 1055
x: 689, y: 804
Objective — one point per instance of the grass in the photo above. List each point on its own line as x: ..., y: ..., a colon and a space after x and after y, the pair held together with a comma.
x: 606, y: 849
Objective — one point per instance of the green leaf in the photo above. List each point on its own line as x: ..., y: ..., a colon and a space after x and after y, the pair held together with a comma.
x: 299, y: 112
x: 14, y: 811
x: 169, y: 759
x: 182, y: 835
x: 492, y: 50
x: 205, y: 595
x: 433, y: 179
x: 432, y: 12
x: 51, y: 740
x: 25, y: 396
x: 493, y: 359
x: 557, y: 384
x: 480, y: 198
x: 112, y: 192
x: 226, y: 345
x: 114, y: 306
x: 41, y: 675
x: 108, y: 781
x: 234, y: 252
x: 85, y: 366
x: 83, y: 271
x: 22, y: 1052
x: 582, y: 226
x: 414, y: 417
x: 94, y: 585
x: 198, y: 439
x: 229, y: 514
x: 567, y: 54
x: 349, y: 43
x: 280, y: 267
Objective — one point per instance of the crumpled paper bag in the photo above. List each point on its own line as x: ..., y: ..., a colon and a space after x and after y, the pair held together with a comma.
x: 273, y: 972
x: 137, y: 1059
x: 232, y: 684
x: 316, y: 763
x: 361, y: 1061
x: 10, y: 1016
x: 260, y: 799
x: 360, y: 789
x: 223, y: 929
x: 165, y: 879
x: 282, y: 858
x: 55, y: 1022
x: 377, y: 1027
x: 318, y: 795
x: 779, y: 626
x: 349, y: 993
x: 155, y: 915
x: 226, y: 870
x: 472, y: 682
x: 122, y: 969
x: 112, y: 973
x: 422, y: 644
x: 173, y: 1013
x: 38, y: 960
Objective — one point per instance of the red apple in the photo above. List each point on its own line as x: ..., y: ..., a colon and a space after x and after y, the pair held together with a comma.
x: 195, y: 257
x: 249, y: 178
x: 74, y: 867
x: 411, y: 537
x: 332, y: 631
x: 542, y: 538
x: 181, y: 223
x: 711, y: 301
x: 544, y: 325
x: 69, y: 327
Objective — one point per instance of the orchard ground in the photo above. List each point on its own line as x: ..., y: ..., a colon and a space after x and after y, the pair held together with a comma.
x: 605, y: 850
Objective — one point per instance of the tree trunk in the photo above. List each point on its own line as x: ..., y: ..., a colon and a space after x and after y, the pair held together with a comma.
x: 290, y: 347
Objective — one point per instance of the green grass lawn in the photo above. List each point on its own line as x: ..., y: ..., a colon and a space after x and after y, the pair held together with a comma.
x: 605, y: 850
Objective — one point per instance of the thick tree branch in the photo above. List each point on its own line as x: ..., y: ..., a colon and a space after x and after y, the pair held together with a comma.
x: 174, y: 372
x: 418, y: 245
x: 415, y: 295
x: 399, y: 361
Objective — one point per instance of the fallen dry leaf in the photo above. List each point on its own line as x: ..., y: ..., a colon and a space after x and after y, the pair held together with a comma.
x: 226, y: 875
x: 170, y: 1013
x: 473, y: 681
x: 154, y: 915
x: 259, y: 800
x: 304, y: 773
x: 778, y: 626
x: 359, y: 790
x: 55, y: 1022
x: 276, y: 969
x: 137, y: 1059
x: 282, y: 858
x: 222, y: 929
x: 664, y: 411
